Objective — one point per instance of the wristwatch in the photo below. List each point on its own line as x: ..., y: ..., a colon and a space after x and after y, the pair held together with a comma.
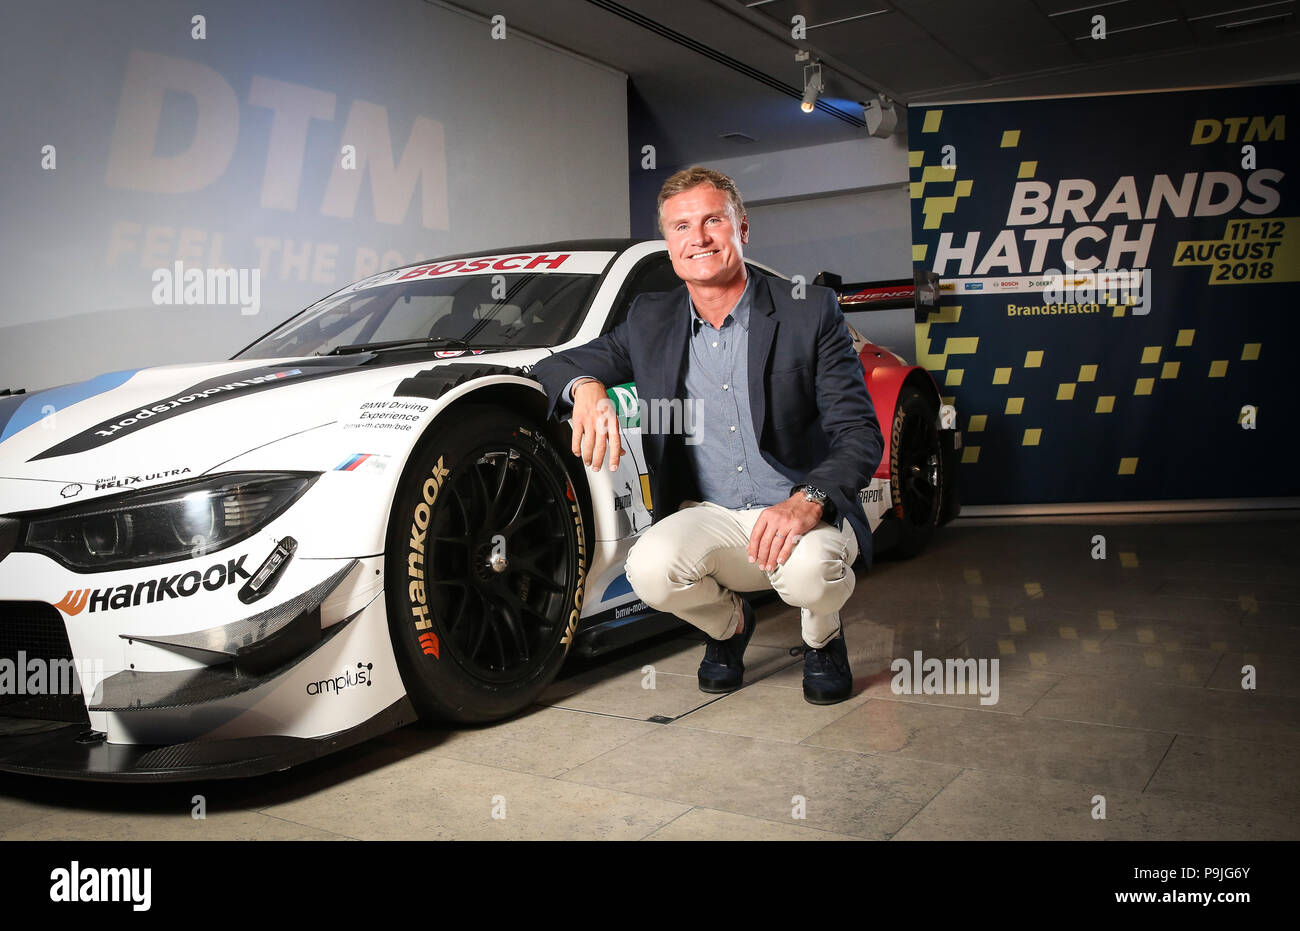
x: 813, y: 493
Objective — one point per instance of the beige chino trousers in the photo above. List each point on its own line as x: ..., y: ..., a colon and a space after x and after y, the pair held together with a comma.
x: 693, y: 563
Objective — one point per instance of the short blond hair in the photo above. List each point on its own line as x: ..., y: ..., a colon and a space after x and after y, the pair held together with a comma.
x: 693, y: 177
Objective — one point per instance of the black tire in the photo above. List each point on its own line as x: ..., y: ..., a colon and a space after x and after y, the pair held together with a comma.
x: 915, y: 470
x: 483, y: 602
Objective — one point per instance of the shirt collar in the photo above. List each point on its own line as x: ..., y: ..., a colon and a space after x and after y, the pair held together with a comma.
x: 740, y: 311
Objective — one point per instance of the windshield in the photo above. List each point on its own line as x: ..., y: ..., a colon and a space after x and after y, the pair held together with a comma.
x: 472, y: 311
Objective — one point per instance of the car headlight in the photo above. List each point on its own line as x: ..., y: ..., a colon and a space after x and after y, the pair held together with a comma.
x: 158, y: 525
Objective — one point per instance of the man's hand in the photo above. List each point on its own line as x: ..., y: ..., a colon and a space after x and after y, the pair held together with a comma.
x: 595, y: 426
x: 779, y: 528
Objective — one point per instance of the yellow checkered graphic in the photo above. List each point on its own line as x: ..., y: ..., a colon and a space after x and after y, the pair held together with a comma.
x: 1065, y: 391
x: 1169, y: 370
x: 961, y: 345
x: 1218, y: 368
x: 1185, y: 337
x: 931, y: 124
x: 1014, y: 405
x: 1144, y: 386
x: 1001, y: 376
x: 936, y: 362
x: 1087, y: 373
x: 934, y: 209
x: 936, y: 206
x: 1128, y: 465
x: 1105, y: 404
x: 977, y: 422
x: 1033, y: 358
x: 953, y: 378
x: 1250, y: 352
x: 919, y: 250
x: 970, y: 454
x: 1010, y: 138
x: 915, y: 158
x: 1150, y: 354
x: 1032, y: 436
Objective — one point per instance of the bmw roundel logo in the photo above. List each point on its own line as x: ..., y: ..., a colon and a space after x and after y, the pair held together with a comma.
x: 375, y: 279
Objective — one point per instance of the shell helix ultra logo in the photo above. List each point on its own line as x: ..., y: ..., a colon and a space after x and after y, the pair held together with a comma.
x: 349, y: 679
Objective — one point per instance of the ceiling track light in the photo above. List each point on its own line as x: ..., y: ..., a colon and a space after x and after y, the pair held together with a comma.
x: 881, y: 116
x: 813, y: 86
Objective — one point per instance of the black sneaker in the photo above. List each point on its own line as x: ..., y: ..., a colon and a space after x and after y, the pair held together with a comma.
x: 723, y: 667
x: 827, y: 678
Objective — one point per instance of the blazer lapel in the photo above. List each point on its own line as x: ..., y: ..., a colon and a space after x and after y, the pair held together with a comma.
x: 664, y: 352
x: 665, y: 349
x: 762, y: 330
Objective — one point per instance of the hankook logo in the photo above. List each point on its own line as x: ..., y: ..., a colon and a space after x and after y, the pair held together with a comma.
x: 181, y: 585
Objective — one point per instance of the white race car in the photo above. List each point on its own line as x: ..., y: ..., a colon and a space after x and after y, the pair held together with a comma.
x: 362, y: 519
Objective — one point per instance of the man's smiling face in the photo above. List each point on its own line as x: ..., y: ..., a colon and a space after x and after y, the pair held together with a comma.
x: 704, y: 236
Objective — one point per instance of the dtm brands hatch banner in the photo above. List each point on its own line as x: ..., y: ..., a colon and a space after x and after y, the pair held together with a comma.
x: 1120, y: 281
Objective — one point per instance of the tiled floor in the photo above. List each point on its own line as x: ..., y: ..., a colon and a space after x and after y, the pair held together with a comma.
x: 1120, y: 692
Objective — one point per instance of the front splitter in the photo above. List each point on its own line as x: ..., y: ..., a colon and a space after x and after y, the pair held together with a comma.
x: 70, y: 751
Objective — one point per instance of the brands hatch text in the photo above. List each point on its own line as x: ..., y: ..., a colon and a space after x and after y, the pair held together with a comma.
x: 362, y: 519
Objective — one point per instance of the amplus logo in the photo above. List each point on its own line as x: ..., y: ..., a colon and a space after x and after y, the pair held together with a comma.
x: 351, y: 678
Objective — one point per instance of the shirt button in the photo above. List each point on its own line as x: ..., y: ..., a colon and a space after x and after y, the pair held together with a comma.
x: 715, y: 344
x: 740, y: 468
x: 733, y: 428
x: 724, y: 387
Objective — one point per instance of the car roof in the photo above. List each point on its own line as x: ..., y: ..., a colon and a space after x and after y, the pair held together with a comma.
x: 567, y: 245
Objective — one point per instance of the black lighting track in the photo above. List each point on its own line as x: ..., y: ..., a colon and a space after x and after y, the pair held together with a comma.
x: 685, y: 41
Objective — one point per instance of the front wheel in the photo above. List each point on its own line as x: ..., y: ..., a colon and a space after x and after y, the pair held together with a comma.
x: 916, y: 470
x: 485, y: 567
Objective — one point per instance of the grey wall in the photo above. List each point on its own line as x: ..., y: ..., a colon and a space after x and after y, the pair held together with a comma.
x: 226, y: 151
x: 860, y: 237
x: 841, y: 208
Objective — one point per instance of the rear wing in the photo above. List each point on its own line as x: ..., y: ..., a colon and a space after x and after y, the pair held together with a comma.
x: 920, y: 292
x: 909, y: 300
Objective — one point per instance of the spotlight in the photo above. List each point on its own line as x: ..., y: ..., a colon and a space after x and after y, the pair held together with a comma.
x: 881, y: 116
x: 812, y: 86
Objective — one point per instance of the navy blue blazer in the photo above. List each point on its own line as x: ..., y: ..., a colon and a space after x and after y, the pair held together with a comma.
x: 812, y: 414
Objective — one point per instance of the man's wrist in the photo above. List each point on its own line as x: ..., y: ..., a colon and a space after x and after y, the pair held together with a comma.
x: 578, y: 383
x: 813, y: 495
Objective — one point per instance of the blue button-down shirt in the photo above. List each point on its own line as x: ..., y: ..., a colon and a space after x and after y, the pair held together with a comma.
x: 724, y: 451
